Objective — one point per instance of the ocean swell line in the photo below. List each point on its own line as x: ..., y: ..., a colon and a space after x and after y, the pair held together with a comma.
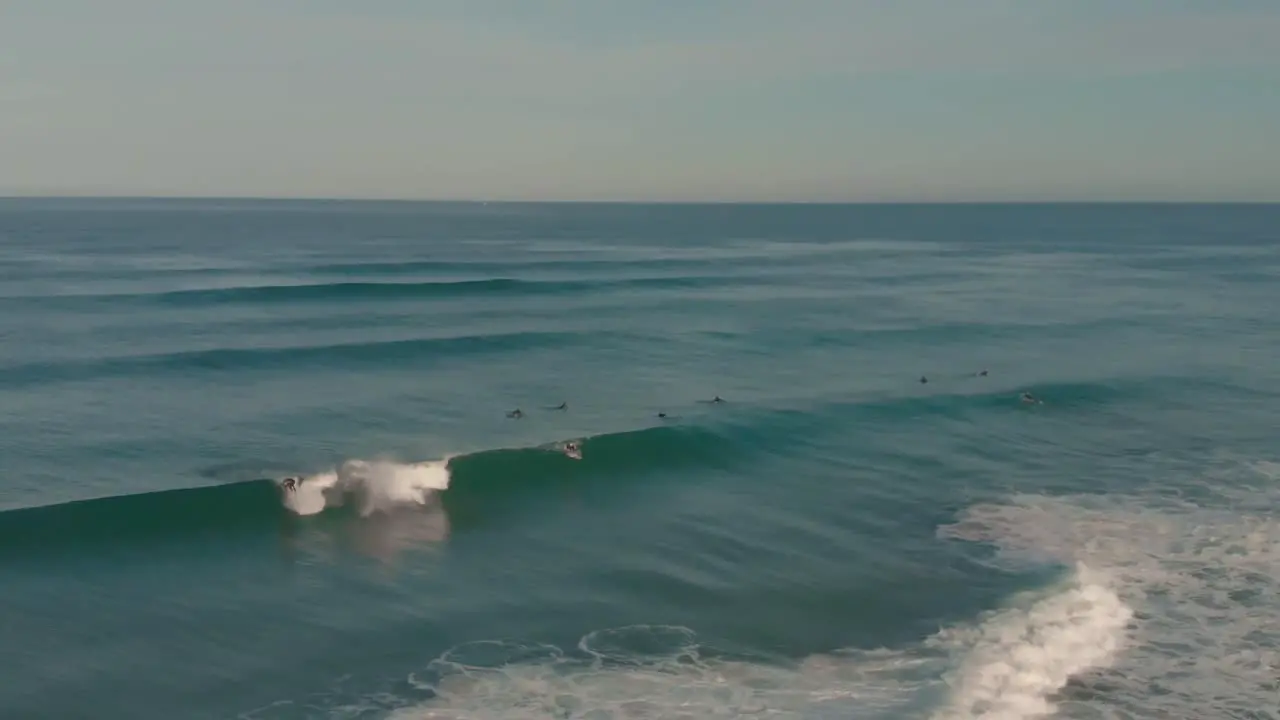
x: 346, y: 292
x: 290, y: 358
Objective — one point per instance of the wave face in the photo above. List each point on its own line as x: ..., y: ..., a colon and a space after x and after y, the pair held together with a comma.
x: 870, y: 523
x: 367, y: 487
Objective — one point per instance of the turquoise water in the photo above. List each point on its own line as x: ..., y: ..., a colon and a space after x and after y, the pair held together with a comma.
x: 835, y: 540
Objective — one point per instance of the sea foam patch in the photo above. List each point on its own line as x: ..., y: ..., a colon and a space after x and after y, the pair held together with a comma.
x: 1202, y: 577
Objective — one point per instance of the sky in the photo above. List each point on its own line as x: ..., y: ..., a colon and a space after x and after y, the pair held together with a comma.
x: 687, y: 100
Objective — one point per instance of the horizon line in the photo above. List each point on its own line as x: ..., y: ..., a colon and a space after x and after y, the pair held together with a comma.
x: 620, y: 201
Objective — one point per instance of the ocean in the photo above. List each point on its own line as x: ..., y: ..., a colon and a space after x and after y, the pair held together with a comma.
x: 872, y: 522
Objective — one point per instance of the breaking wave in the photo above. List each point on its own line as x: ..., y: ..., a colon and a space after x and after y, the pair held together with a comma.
x: 373, y: 486
x: 1202, y: 578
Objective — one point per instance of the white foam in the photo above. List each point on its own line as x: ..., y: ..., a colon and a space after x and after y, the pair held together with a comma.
x: 654, y: 672
x: 376, y: 486
x: 1003, y: 667
x: 1018, y: 658
x: 1202, y: 577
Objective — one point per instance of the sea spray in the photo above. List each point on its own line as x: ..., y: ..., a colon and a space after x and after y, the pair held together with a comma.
x: 374, y: 486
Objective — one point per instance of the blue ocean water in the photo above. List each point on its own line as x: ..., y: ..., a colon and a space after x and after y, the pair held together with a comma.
x: 836, y: 539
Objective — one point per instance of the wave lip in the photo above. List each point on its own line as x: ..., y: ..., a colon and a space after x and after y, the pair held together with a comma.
x: 374, y: 486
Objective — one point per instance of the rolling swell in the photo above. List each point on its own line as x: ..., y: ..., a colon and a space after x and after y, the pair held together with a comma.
x: 285, y: 358
x: 347, y: 292
x: 391, y: 269
x: 747, y: 258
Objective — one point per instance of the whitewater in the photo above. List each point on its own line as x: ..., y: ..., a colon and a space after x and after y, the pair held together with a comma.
x: 375, y: 486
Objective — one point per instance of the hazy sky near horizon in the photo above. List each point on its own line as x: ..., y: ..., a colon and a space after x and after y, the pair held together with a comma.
x: 644, y: 99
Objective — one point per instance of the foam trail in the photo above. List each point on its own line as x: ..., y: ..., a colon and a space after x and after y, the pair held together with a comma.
x: 1005, y: 667
x: 377, y: 486
x: 1020, y: 658
x: 652, y: 672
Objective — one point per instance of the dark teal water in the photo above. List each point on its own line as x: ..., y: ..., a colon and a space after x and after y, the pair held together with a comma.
x: 835, y: 540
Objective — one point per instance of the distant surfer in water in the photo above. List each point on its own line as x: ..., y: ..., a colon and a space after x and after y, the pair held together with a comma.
x: 982, y: 374
x: 923, y: 380
x: 715, y: 400
x: 515, y: 414
x: 562, y: 406
x: 573, y: 450
x: 1031, y: 399
x: 290, y: 484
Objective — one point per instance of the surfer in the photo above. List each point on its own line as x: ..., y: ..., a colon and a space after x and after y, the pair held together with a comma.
x: 715, y: 400
x: 982, y: 374
x: 290, y: 484
x: 515, y: 414
x: 1031, y: 399
x: 562, y: 406
x: 572, y: 450
x: 923, y: 380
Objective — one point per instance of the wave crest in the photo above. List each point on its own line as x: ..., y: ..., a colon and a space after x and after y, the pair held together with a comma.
x: 374, y: 486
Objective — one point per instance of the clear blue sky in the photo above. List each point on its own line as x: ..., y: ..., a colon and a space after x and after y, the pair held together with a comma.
x: 644, y: 99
